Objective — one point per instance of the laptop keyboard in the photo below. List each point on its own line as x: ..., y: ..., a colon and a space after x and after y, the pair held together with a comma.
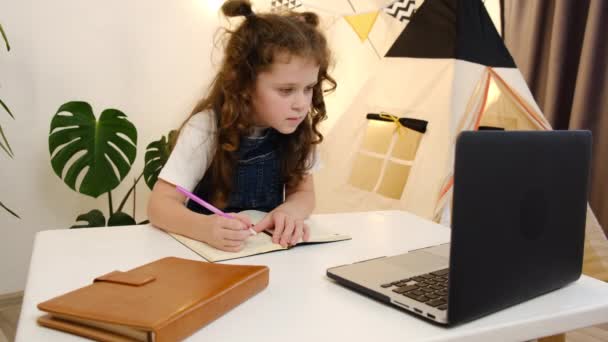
x: 430, y: 288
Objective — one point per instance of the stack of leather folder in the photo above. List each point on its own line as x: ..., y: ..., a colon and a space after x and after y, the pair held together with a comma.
x: 165, y: 300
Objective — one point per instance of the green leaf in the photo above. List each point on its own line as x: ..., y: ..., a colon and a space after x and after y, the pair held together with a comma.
x: 105, y: 144
x: 8, y: 46
x: 94, y: 218
x: 120, y: 219
x: 157, y: 154
x: 6, y: 148
x: 10, y: 211
x: 3, y: 141
x: 6, y: 108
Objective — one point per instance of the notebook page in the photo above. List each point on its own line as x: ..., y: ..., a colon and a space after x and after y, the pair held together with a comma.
x: 260, y: 243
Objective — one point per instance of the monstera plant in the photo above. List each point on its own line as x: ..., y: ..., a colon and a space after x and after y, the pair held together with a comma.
x: 100, y: 153
x: 6, y: 147
x: 157, y: 154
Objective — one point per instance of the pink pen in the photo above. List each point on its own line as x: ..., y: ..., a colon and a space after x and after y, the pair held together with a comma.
x: 207, y: 205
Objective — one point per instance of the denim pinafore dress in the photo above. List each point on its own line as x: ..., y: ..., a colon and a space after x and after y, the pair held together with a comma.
x: 257, y: 180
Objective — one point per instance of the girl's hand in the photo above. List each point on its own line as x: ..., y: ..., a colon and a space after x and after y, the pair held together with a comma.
x: 225, y: 233
x: 288, y: 230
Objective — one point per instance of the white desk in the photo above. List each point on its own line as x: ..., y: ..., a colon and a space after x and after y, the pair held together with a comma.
x: 301, y: 303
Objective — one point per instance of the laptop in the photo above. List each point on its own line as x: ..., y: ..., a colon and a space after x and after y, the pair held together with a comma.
x: 518, y: 228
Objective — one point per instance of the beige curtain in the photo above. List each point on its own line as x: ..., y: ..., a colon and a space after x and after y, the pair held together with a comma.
x: 561, y: 48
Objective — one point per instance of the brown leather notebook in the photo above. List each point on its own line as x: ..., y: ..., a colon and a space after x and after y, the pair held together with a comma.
x: 165, y: 300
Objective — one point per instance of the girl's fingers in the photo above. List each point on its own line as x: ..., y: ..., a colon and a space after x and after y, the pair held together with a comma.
x: 231, y: 244
x: 297, y: 232
x: 306, y: 232
x: 233, y: 224
x: 287, y: 232
x: 264, y: 224
x: 233, y: 248
x: 243, y: 218
x: 236, y: 235
x: 279, y: 226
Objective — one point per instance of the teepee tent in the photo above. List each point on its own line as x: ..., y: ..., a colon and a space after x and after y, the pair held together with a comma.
x: 446, y: 72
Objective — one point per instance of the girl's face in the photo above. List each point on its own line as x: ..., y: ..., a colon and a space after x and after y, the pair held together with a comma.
x: 282, y: 95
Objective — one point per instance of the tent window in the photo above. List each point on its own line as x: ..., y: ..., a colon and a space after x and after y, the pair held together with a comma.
x: 502, y: 110
x: 498, y: 106
x: 383, y: 162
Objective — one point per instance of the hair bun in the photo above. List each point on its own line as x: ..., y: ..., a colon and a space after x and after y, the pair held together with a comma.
x: 235, y: 8
x: 310, y: 18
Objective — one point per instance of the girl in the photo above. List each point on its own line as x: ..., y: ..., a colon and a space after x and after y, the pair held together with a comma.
x: 250, y: 144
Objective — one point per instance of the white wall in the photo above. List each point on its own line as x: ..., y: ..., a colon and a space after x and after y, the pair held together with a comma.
x: 147, y: 58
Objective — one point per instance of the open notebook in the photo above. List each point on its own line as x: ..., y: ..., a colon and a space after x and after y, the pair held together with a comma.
x: 257, y: 244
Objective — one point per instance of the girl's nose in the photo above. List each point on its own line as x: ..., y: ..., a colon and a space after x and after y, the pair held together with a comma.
x: 300, y: 102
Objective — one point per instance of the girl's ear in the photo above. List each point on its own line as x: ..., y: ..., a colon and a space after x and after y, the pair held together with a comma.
x: 309, y: 17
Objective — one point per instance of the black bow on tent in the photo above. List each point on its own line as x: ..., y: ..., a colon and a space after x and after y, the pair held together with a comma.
x: 414, y: 124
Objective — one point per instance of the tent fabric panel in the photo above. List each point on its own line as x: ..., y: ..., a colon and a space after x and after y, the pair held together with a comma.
x: 411, y: 84
x: 503, y: 111
x: 516, y: 82
x: 478, y: 40
x: 430, y: 34
x: 389, y: 90
x: 433, y: 102
x: 460, y: 29
x: 467, y: 96
x: 385, y: 31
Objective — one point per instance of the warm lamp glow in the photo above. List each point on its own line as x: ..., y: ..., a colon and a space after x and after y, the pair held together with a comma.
x: 212, y: 5
x: 494, y: 93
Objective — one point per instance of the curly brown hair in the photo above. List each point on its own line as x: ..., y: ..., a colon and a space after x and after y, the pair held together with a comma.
x: 251, y: 49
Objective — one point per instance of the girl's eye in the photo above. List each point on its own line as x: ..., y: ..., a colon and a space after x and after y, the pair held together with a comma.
x: 309, y: 89
x: 285, y: 91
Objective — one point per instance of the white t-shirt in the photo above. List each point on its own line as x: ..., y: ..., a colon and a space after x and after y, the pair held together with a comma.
x: 194, y: 151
